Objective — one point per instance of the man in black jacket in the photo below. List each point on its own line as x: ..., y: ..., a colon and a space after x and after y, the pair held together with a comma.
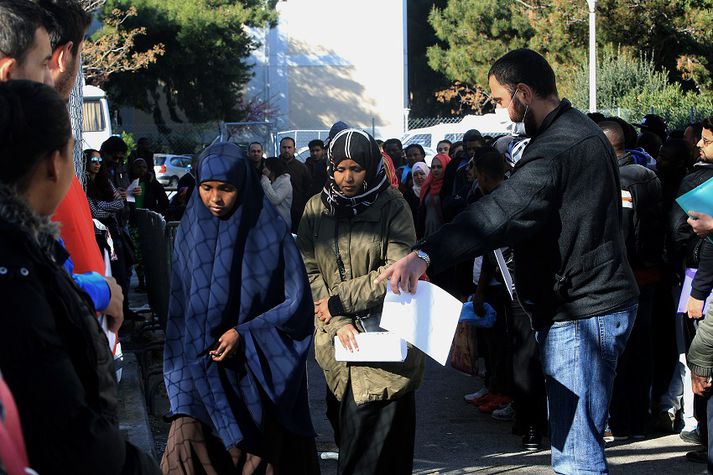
x: 300, y: 178
x: 561, y: 213
x: 644, y: 234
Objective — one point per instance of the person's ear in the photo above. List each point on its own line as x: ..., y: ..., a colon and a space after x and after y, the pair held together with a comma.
x: 53, y: 166
x: 7, y: 64
x: 526, y: 93
x: 62, y: 57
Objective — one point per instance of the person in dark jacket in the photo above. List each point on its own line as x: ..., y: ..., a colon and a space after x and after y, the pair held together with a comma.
x: 644, y: 233
x: 301, y: 180
x: 561, y: 213
x: 317, y: 165
x: 54, y: 356
x: 151, y: 196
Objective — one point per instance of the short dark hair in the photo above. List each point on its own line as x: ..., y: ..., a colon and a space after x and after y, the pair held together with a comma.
x: 71, y: 22
x: 473, y: 135
x: 388, y: 142
x: 630, y: 135
x: 618, y: 139
x: 418, y: 146
x: 490, y: 162
x: 444, y: 141
x: 276, y: 166
x: 33, y: 123
x: 707, y: 123
x: 254, y: 143
x: 527, y: 67
x: 288, y: 138
x: 113, y: 145
x: 19, y: 20
x: 315, y: 143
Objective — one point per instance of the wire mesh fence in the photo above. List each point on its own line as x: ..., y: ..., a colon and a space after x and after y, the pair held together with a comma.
x: 421, y: 122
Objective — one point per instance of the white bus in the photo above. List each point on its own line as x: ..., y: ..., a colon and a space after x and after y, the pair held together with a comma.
x: 96, y: 126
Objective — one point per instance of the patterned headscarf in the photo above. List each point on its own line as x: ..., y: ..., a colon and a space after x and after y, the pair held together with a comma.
x: 354, y: 144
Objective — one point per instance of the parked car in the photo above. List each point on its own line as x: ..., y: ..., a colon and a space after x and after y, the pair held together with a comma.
x: 170, y: 168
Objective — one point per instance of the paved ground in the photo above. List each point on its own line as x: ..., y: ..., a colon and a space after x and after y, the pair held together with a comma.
x: 452, y: 437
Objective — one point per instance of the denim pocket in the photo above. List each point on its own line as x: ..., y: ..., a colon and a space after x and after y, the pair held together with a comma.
x: 614, y: 330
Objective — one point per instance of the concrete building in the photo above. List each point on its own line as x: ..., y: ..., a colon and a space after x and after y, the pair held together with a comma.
x: 330, y: 60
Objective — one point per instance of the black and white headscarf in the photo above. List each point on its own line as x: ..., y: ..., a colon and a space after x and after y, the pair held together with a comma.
x: 354, y: 144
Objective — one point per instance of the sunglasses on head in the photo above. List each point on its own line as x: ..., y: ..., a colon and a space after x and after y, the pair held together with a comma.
x: 96, y: 160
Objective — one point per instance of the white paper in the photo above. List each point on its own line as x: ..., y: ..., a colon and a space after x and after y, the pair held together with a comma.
x: 130, y: 191
x: 426, y: 319
x: 507, y: 277
x: 374, y: 347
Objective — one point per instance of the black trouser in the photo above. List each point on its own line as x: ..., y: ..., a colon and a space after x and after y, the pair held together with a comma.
x: 631, y: 398
x: 496, y: 342
x: 377, y: 437
x: 530, y: 397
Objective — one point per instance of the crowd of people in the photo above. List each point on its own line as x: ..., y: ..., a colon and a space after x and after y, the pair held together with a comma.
x: 274, y: 257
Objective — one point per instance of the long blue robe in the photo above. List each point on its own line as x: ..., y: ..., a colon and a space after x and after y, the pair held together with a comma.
x: 243, y: 272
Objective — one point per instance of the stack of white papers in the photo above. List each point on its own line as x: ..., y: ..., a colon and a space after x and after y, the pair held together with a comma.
x: 374, y: 347
x: 426, y: 319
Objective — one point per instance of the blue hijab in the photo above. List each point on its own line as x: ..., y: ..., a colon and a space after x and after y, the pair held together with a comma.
x: 242, y: 271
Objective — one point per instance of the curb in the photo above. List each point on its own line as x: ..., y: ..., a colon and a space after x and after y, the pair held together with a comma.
x: 133, y: 417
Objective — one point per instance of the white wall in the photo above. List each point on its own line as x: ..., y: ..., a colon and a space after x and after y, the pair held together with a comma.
x: 330, y: 60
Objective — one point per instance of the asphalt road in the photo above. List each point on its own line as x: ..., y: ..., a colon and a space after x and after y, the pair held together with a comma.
x: 452, y: 437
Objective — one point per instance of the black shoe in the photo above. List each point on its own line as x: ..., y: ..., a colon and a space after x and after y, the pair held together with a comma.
x: 698, y: 456
x: 532, y: 440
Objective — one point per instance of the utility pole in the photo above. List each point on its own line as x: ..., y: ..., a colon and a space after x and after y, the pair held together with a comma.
x: 592, y: 55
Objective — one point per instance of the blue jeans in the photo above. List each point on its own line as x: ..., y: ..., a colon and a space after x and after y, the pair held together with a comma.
x: 579, y: 361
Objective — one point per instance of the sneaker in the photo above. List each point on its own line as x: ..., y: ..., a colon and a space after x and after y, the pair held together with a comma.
x: 495, y: 402
x: 532, y: 440
x: 476, y: 395
x: 690, y: 436
x: 487, y: 399
x: 608, y: 436
x: 503, y: 414
x: 697, y: 456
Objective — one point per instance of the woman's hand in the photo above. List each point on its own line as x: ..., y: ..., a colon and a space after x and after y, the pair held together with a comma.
x: 136, y: 191
x: 266, y: 172
x: 227, y: 344
x: 347, y: 335
x: 321, y: 310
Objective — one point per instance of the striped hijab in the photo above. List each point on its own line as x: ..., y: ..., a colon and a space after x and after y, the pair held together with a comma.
x: 354, y: 144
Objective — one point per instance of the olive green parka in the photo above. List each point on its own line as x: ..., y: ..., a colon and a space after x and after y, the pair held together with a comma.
x: 367, y: 244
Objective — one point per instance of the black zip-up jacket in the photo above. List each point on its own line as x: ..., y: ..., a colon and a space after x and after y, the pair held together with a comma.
x: 686, y: 245
x: 560, y: 211
x: 55, y: 357
x: 643, y: 220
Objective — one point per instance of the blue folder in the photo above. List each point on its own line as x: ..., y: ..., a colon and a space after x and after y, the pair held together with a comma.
x: 699, y: 199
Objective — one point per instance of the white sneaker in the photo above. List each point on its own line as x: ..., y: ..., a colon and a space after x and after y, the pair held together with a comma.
x: 473, y: 396
x: 503, y: 414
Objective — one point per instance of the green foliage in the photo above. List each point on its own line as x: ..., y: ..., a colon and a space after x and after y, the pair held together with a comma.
x: 203, y: 70
x: 129, y: 140
x: 633, y: 87
x: 675, y: 35
x: 475, y: 32
x: 618, y: 74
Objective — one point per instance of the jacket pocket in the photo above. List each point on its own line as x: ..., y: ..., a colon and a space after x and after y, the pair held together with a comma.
x: 583, y: 270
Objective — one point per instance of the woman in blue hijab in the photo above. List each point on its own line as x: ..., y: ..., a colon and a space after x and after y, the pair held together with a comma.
x: 239, y: 329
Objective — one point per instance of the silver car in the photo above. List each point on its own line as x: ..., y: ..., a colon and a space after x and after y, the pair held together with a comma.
x: 170, y: 168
